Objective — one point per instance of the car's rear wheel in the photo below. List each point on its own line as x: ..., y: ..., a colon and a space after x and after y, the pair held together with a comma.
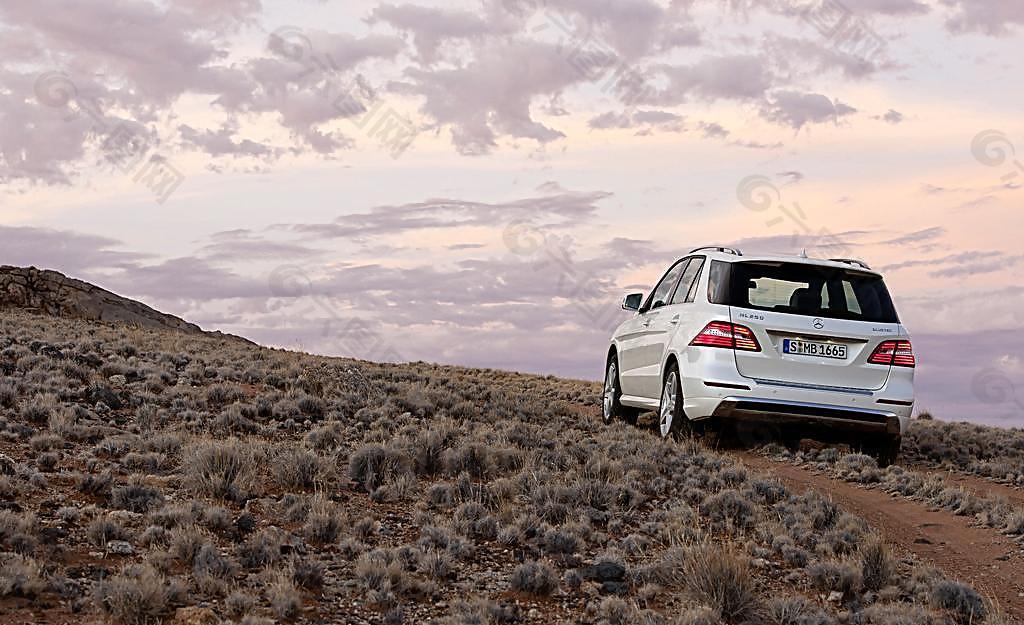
x: 671, y: 418
x: 611, y: 406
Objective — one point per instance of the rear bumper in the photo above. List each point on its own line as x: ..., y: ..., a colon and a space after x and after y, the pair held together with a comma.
x: 731, y: 396
x: 797, y: 412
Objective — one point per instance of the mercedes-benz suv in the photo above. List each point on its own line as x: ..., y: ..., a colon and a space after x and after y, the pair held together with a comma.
x: 777, y: 339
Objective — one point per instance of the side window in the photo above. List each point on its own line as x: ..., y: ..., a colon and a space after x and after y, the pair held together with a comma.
x: 688, y: 283
x: 718, y: 282
x: 661, y: 293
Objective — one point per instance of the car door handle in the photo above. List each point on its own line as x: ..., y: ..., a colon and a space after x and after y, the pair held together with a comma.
x: 646, y: 323
x: 674, y: 320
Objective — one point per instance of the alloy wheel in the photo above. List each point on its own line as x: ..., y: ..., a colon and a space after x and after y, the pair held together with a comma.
x: 668, y: 405
x: 608, y: 401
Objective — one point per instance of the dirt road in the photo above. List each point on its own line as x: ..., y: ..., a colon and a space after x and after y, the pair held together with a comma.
x: 986, y: 559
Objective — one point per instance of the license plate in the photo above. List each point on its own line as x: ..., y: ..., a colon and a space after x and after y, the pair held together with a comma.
x: 814, y: 348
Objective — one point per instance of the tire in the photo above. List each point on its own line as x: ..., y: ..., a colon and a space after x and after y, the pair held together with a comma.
x: 886, y: 449
x: 672, y: 421
x: 611, y: 406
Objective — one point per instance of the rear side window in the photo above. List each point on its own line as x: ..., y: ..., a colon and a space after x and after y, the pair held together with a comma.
x: 802, y: 289
x: 688, y: 283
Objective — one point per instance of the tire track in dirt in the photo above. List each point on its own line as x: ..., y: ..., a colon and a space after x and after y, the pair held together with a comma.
x: 982, y: 557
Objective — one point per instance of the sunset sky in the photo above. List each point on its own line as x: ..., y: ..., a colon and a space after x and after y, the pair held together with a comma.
x: 479, y: 182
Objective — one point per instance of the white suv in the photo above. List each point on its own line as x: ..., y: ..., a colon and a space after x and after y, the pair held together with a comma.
x: 775, y: 339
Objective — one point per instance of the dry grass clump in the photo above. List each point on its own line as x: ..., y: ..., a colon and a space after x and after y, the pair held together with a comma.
x: 996, y: 453
x: 226, y: 470
x: 533, y: 577
x: 721, y: 579
x: 138, y: 595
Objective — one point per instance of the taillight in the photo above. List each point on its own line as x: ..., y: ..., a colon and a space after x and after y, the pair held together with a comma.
x: 898, y: 353
x: 725, y: 334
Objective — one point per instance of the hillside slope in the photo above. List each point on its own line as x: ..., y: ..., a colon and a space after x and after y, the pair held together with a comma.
x: 151, y: 475
x: 53, y: 293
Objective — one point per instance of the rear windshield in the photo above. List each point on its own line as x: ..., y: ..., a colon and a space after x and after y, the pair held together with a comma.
x: 802, y: 289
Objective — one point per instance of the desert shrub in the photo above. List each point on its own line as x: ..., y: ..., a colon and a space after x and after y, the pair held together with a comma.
x: 698, y: 616
x: 208, y: 561
x: 239, y: 603
x: 142, y: 462
x: 46, y: 442
x: 963, y: 603
x: 8, y: 396
x: 720, y: 578
x: 235, y: 419
x: 262, y: 549
x: 616, y: 611
x: 323, y: 524
x: 135, y: 497
x: 371, y: 466
x: 105, y: 529
x: 47, y: 461
x: 185, y: 542
x: 796, y: 610
x: 327, y: 437
x: 534, y: 577
x: 308, y: 574
x: 299, y: 469
x: 728, y: 509
x: 436, y: 564
x: 225, y: 470
x: 841, y: 576
x: 20, y: 577
x: 877, y: 566
x: 138, y: 595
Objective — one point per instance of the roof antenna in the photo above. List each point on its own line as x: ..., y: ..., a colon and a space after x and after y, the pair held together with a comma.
x: 803, y: 253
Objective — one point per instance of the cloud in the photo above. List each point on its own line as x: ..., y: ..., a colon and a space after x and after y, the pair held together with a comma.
x: 891, y: 117
x: 990, y: 17
x: 796, y: 109
x: 492, y: 95
x: 889, y: 7
x: 431, y: 27
x: 645, y: 119
x: 956, y: 259
x: 242, y: 245
x: 561, y: 209
x: 63, y: 250
x: 732, y: 77
x: 221, y: 142
x: 918, y: 236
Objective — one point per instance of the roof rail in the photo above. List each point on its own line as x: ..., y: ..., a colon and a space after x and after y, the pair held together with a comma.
x: 851, y: 261
x: 717, y: 248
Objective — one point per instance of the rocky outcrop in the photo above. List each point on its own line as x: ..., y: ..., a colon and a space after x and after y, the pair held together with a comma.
x: 53, y: 293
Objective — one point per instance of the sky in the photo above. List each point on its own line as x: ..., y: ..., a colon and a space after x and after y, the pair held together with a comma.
x: 479, y: 182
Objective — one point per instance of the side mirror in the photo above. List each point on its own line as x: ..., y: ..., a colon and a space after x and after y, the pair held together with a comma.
x: 632, y: 301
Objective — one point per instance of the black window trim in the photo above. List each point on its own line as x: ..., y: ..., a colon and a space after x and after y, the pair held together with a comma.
x: 691, y: 295
x: 646, y: 307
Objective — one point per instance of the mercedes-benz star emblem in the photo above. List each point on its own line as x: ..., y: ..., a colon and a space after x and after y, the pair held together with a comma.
x: 818, y: 324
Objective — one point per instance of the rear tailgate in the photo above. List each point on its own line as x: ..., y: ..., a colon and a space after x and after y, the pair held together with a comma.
x: 796, y: 350
x: 816, y: 324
